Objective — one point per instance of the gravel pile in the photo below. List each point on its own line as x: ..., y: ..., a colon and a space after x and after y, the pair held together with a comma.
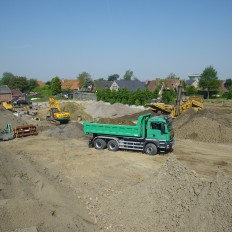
x: 72, y: 130
x: 208, y: 125
x: 176, y: 199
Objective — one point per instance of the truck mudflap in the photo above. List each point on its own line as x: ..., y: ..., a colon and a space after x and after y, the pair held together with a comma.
x: 90, y: 142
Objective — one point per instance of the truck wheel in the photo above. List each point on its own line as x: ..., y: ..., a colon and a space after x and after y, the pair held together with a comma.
x: 151, y: 149
x: 112, y: 145
x: 99, y: 144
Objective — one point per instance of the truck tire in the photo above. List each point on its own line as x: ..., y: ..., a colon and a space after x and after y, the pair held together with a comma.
x: 112, y: 145
x: 150, y: 149
x: 100, y: 144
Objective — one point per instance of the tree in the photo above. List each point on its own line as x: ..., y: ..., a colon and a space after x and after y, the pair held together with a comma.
x: 6, y: 77
x: 171, y: 76
x: 128, y: 75
x: 229, y: 94
x: 85, y: 81
x: 20, y: 83
x: 209, y: 80
x: 191, y: 90
x: 113, y: 77
x: 32, y: 84
x: 228, y: 83
x: 56, y: 85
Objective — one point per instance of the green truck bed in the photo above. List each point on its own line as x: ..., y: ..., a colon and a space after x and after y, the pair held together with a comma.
x: 120, y: 130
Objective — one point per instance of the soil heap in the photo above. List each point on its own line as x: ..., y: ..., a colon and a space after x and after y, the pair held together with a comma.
x: 213, y: 125
x: 105, y: 110
x: 7, y: 116
x: 174, y: 199
x: 73, y: 130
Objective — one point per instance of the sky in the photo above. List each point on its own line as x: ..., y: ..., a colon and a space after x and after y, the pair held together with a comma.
x: 42, y: 39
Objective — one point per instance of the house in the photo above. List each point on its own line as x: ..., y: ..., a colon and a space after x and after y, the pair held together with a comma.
x: 168, y: 83
x: 132, y: 85
x: 222, y: 87
x: 193, y: 80
x: 102, y: 84
x: 70, y: 84
x: 16, y: 93
x: 5, y: 93
x: 41, y: 83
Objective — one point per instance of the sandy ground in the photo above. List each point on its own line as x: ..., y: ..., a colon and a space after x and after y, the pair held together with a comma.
x: 54, y: 182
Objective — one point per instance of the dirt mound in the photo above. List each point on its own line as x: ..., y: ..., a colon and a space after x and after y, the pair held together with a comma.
x: 105, y: 110
x: 7, y: 116
x: 72, y: 130
x: 127, y: 119
x: 176, y: 199
x: 213, y: 125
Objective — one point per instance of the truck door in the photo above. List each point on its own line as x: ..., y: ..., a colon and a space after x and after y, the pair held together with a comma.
x: 154, y: 130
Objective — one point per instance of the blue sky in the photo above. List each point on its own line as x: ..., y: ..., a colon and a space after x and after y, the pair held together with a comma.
x: 42, y: 39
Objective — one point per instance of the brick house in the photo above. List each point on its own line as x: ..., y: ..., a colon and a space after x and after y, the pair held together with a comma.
x: 72, y: 85
x: 5, y: 93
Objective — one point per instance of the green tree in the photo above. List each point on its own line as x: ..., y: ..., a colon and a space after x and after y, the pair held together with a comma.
x: 128, y: 75
x: 209, y: 80
x: 191, y: 90
x: 56, y: 85
x: 20, y: 83
x: 169, y: 96
x: 6, y: 77
x: 229, y: 94
x: 85, y: 80
x: 113, y: 77
x: 32, y: 84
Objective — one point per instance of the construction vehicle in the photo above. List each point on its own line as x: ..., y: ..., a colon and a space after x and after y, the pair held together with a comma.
x: 7, y: 105
x: 7, y: 134
x: 150, y: 135
x: 182, y: 103
x: 56, y: 115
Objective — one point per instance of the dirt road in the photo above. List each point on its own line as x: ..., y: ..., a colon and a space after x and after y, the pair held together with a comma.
x: 62, y: 185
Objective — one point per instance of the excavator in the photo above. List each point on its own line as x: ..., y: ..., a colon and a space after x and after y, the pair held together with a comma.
x: 56, y: 115
x: 181, y: 104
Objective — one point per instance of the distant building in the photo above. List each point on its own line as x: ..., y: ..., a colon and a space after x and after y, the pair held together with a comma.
x: 102, y: 84
x: 16, y: 93
x: 70, y: 84
x: 5, y: 93
x: 132, y: 85
x: 193, y: 80
x: 41, y: 83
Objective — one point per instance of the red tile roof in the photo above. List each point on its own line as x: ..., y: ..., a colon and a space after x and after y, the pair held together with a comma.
x: 70, y: 84
x: 222, y: 87
x: 40, y: 83
x: 16, y: 93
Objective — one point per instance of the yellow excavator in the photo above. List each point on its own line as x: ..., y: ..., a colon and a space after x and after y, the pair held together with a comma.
x: 56, y: 115
x: 181, y: 105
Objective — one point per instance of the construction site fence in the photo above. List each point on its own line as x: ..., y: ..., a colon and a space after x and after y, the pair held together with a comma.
x: 84, y: 96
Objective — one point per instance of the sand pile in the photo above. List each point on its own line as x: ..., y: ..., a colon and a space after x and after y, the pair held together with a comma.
x: 208, y: 125
x: 176, y: 199
x: 72, y: 130
x: 7, y: 116
x: 105, y: 110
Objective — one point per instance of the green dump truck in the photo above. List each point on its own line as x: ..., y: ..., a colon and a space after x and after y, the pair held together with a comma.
x: 150, y: 135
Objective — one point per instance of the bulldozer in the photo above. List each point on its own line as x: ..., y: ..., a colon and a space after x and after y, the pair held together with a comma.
x: 7, y: 105
x: 181, y: 104
x: 56, y: 115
